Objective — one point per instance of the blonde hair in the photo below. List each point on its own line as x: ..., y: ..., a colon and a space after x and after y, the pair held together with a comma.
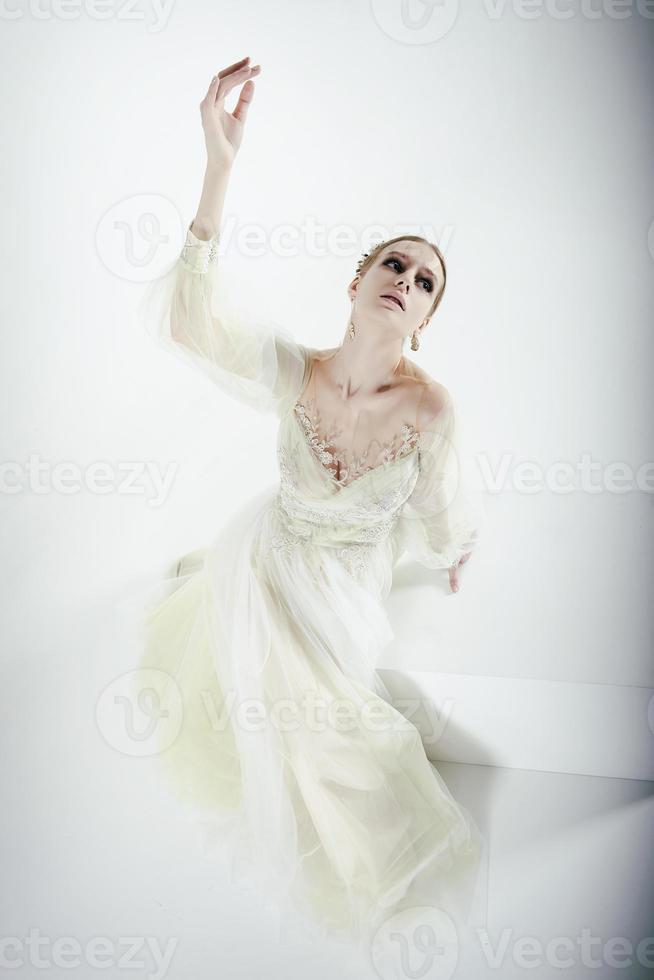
x: 370, y: 257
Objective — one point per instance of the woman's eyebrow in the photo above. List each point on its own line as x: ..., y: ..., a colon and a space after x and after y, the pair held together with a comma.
x: 404, y: 256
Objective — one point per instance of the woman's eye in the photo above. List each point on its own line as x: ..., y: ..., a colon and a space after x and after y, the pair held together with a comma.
x: 430, y: 285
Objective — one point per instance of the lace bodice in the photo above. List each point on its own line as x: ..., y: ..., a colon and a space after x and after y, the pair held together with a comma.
x: 411, y: 486
x: 346, y: 466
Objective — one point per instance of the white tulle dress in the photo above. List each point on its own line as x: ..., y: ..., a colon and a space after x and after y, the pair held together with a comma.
x: 304, y: 779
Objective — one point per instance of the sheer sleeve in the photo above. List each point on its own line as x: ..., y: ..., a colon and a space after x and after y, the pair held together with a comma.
x: 443, y: 517
x: 188, y: 312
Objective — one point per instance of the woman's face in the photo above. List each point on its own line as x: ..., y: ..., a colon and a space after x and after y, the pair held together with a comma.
x: 409, y: 270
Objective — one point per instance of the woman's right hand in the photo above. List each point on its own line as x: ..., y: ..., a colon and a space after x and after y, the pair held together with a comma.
x: 223, y: 131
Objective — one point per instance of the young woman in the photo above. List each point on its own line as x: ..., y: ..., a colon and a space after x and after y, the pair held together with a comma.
x: 317, y: 791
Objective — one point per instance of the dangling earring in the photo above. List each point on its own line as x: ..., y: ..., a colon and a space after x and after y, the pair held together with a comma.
x: 352, y: 329
x: 415, y: 337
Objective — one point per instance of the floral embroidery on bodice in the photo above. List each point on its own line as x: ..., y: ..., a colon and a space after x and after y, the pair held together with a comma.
x: 347, y: 466
x: 364, y: 504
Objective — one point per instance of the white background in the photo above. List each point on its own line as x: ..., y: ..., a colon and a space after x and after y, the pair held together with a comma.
x: 519, y: 139
x: 522, y: 145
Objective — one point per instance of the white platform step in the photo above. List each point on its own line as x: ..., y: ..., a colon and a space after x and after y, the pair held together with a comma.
x: 551, y: 726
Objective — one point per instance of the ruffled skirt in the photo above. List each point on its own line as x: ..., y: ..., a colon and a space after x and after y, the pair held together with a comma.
x: 278, y: 734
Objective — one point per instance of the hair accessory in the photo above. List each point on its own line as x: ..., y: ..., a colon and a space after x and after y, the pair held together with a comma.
x: 366, y: 254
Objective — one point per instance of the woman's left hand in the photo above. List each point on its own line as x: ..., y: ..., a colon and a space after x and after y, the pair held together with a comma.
x: 454, y: 571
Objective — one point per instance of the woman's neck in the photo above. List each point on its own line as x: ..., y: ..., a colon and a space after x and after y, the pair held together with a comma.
x: 365, y: 367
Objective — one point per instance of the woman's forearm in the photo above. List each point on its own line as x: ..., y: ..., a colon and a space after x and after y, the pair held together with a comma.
x: 209, y: 213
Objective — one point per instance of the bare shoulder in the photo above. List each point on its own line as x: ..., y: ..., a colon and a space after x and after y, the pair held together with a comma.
x: 323, y: 352
x: 432, y: 396
x: 318, y: 354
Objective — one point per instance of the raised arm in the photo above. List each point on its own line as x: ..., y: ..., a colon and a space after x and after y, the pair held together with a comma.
x: 223, y: 133
x: 188, y: 310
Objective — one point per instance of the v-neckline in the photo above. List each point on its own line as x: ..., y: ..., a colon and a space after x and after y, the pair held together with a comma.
x: 330, y: 473
x: 325, y: 469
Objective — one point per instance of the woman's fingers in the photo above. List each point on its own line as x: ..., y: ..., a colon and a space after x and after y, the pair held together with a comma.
x: 239, y: 67
x: 454, y: 571
x: 213, y: 84
x: 225, y: 83
x: 237, y: 64
x: 244, y: 99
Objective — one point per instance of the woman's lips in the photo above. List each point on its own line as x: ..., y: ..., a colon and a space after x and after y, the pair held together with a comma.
x: 391, y: 299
